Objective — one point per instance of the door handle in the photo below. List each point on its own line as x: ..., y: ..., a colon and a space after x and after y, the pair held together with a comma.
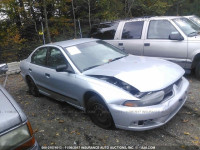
x: 120, y: 44
x: 146, y: 44
x: 47, y: 75
x: 30, y: 69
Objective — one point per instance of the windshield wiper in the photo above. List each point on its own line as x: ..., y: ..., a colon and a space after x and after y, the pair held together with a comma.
x: 88, y: 68
x: 117, y: 58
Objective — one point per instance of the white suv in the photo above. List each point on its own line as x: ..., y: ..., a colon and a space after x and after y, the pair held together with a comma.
x: 172, y: 38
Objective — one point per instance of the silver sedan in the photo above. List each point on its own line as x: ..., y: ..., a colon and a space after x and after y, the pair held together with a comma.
x: 114, y: 88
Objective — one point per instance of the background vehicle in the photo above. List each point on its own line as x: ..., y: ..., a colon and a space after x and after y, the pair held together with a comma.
x: 195, y: 19
x: 114, y: 88
x: 15, y: 129
x: 3, y: 68
x: 175, y: 39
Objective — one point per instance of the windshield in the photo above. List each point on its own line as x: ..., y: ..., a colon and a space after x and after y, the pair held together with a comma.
x: 187, y: 26
x: 92, y: 54
x: 195, y: 19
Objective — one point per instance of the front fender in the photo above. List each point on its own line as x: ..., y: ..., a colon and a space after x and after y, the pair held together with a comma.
x: 108, y: 92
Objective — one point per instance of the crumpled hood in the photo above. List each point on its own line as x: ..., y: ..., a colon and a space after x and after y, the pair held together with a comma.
x: 144, y: 73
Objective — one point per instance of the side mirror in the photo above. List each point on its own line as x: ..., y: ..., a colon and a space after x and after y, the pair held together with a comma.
x: 62, y: 68
x: 176, y: 36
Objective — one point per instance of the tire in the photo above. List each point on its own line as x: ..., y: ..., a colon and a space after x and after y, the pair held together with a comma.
x: 197, y: 71
x: 99, y: 113
x: 33, y: 90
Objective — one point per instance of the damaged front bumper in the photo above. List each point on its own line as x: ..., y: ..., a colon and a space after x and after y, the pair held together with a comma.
x: 149, y: 117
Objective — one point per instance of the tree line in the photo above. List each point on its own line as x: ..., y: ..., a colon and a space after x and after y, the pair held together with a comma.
x: 21, y: 21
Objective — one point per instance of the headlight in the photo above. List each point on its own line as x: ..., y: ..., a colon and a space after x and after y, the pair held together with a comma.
x: 147, y: 100
x: 16, y: 137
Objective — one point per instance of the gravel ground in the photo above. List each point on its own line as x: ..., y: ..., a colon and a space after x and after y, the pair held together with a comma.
x: 59, y: 124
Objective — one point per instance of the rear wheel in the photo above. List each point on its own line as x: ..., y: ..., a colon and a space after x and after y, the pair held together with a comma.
x: 197, y: 71
x: 99, y: 113
x: 33, y: 90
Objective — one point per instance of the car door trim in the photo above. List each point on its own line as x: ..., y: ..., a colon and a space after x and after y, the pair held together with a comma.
x: 54, y: 94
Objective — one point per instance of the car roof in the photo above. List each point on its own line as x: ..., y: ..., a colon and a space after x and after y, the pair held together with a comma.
x: 154, y: 18
x: 139, y: 19
x: 107, y: 22
x: 69, y: 43
x: 190, y: 16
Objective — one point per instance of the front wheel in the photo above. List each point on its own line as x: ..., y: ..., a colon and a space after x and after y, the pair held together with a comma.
x: 99, y: 113
x: 197, y: 71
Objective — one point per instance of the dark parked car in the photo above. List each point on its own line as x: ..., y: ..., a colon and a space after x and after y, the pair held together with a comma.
x: 3, y: 68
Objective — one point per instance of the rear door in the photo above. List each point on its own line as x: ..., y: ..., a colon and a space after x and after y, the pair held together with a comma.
x: 38, y: 65
x: 158, y: 44
x: 132, y: 37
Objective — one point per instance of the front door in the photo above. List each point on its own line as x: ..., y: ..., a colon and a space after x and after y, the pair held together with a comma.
x: 158, y: 44
x: 62, y: 84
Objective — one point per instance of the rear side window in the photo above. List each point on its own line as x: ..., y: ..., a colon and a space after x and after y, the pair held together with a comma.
x: 39, y: 57
x: 160, y: 29
x: 133, y: 30
x: 104, y: 31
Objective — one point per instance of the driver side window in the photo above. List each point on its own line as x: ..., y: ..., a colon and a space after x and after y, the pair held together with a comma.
x: 160, y: 29
x: 55, y: 58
